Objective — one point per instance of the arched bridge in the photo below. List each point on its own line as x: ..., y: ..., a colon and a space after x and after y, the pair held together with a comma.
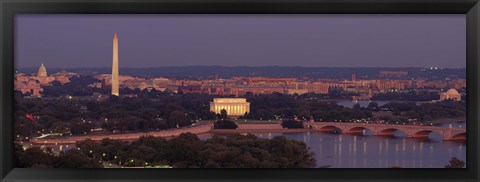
x: 412, y: 131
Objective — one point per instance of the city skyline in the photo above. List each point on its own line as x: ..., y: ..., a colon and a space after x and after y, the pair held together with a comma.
x: 307, y: 91
x: 175, y: 40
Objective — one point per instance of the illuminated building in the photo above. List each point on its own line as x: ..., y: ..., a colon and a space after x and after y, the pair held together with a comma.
x: 192, y: 89
x: 115, y: 66
x: 63, y: 77
x: 42, y: 71
x: 42, y: 76
x: 450, y: 94
x: 263, y: 81
x: 31, y: 87
x: 393, y: 84
x: 430, y: 84
x: 255, y: 90
x: 32, y: 84
x: 318, y: 87
x: 296, y: 91
x: 233, y: 106
x: 458, y: 84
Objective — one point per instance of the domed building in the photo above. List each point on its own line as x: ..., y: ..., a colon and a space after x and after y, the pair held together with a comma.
x: 43, y: 77
x: 42, y: 71
x: 451, y: 94
x: 32, y: 84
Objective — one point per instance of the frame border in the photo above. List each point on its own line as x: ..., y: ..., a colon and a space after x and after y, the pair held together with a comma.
x: 9, y: 8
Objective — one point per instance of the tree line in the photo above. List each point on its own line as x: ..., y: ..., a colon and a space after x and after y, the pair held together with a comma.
x: 157, y: 110
x: 183, y: 151
x: 425, y: 112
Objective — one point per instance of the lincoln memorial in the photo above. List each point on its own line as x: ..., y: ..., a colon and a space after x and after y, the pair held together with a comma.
x: 233, y: 106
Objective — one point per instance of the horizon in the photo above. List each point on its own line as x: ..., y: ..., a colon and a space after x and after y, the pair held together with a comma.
x: 104, y: 67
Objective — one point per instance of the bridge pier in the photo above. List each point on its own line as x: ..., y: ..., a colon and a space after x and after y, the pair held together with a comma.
x: 355, y: 131
x: 386, y: 132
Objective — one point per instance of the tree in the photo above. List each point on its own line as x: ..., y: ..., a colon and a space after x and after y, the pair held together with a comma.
x: 455, y: 163
x: 75, y: 159
x: 373, y: 106
x: 183, y: 150
x: 357, y: 107
x: 58, y: 127
x: 18, y: 153
x: 89, y: 148
x: 223, y: 114
x: 291, y: 153
x: 427, y: 118
x: 179, y: 118
x: 35, y: 157
x: 83, y: 127
x: 292, y: 124
x: 225, y: 124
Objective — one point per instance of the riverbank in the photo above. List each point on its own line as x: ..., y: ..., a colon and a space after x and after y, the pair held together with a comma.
x: 270, y: 127
x: 246, y: 127
x: 198, y: 129
x: 230, y: 131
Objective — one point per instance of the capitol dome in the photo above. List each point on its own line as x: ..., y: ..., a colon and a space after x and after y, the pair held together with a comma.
x: 42, y: 71
x: 452, y: 92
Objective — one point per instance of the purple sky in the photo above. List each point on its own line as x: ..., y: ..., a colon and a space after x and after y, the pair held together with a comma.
x: 66, y: 41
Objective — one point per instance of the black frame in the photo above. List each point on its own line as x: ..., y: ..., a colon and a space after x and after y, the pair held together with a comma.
x: 8, y: 9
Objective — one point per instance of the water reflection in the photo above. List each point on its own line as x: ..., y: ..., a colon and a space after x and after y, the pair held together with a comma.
x: 403, y: 152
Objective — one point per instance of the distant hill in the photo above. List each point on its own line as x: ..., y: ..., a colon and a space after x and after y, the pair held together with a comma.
x: 202, y: 72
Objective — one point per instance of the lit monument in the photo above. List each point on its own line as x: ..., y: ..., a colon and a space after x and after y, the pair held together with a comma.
x: 451, y: 94
x: 42, y: 71
x: 115, y: 66
x: 233, y: 106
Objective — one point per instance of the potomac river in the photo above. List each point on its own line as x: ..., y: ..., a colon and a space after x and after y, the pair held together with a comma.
x: 353, y: 151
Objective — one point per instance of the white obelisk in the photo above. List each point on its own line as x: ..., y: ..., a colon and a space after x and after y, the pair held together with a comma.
x: 115, y: 66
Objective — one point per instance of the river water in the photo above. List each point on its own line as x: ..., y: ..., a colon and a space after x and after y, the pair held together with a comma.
x: 352, y: 151
x: 348, y: 151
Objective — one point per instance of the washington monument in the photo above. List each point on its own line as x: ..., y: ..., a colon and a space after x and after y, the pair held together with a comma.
x: 115, y: 66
